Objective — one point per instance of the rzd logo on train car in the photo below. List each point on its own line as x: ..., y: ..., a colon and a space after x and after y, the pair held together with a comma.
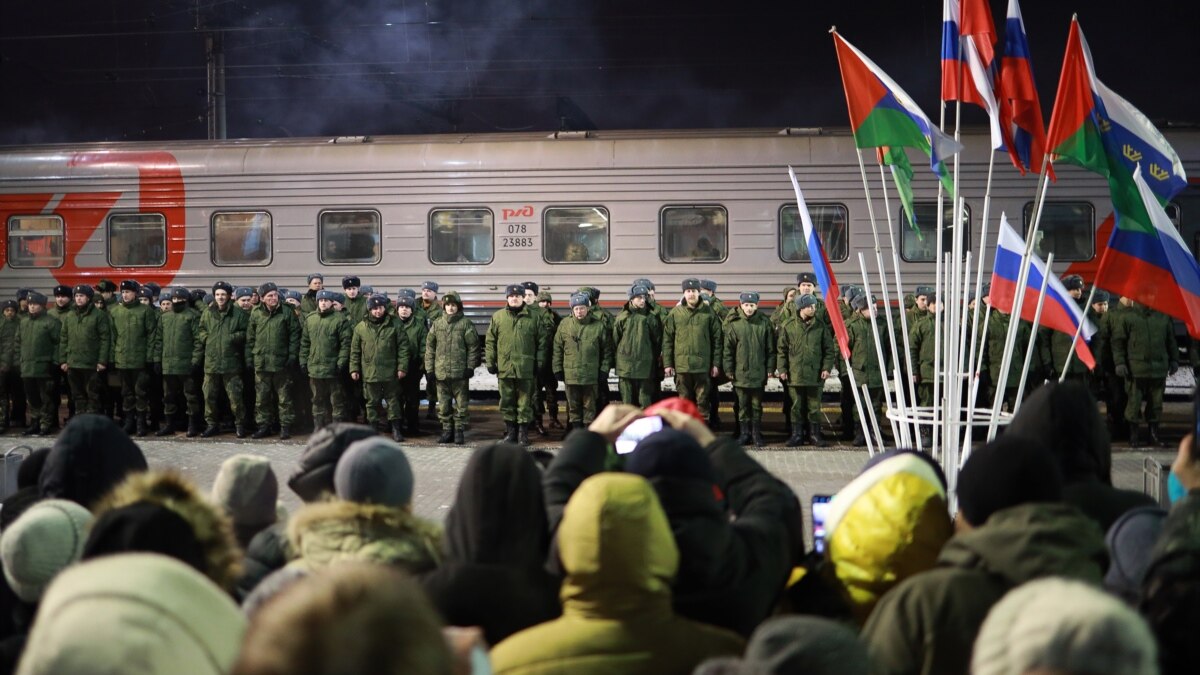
x: 160, y: 191
x: 515, y: 233
x: 523, y: 212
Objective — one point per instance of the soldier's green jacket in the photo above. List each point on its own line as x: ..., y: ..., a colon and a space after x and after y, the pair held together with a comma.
x: 515, y: 342
x: 451, y: 348
x: 749, y: 349
x: 180, y: 329
x: 782, y: 312
x: 135, y: 334
x: 37, y: 344
x: 803, y: 350
x: 325, y: 343
x: 717, y: 306
x: 921, y: 342
x: 272, y: 338
x: 356, y: 309
x: 582, y: 350
x: 417, y: 332
x: 308, y: 302
x: 692, y: 339
x: 1144, y: 340
x: 864, y: 360
x: 997, y: 333
x: 379, y: 349
x: 1101, y: 344
x: 637, y: 338
x: 1055, y: 345
x: 85, y: 338
x: 221, y: 342
x: 10, y: 353
x: 549, y: 325
x: 657, y: 310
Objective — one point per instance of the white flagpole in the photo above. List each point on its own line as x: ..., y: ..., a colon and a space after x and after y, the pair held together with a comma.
x: 862, y: 419
x: 901, y: 383
x: 1033, y: 334
x: 874, y: 423
x: 862, y: 266
x: 1078, y: 331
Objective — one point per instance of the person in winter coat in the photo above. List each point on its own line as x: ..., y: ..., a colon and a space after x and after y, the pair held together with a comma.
x: 549, y: 325
x: 921, y: 343
x: 997, y: 333
x: 180, y: 330
x: 37, y: 346
x: 371, y: 520
x: 379, y: 358
x: 582, y: 349
x: 220, y: 348
x: 247, y: 491
x: 692, y: 347
x: 1145, y: 353
x: 136, y: 346
x: 308, y: 303
x: 496, y: 540
x: 90, y: 457
x: 637, y: 345
x: 619, y: 556
x: 516, y: 341
x: 451, y: 354
x: 273, y: 347
x: 85, y: 349
x: 863, y: 329
x: 796, y: 645
x: 416, y: 330
x: 1011, y: 529
x: 324, y: 355
x: 804, y: 357
x: 749, y: 360
x: 546, y: 394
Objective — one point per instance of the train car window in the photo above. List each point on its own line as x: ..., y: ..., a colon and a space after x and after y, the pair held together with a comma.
x: 350, y: 237
x: 917, y: 244
x: 1067, y: 229
x: 461, y: 236
x: 689, y: 234
x: 575, y: 234
x: 137, y: 240
x: 241, y: 238
x: 829, y: 220
x: 35, y: 241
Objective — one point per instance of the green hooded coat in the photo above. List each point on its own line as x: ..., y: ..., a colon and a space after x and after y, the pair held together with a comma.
x: 692, y: 339
x: 582, y: 350
x: 272, y: 338
x: 86, y: 338
x: 749, y: 349
x: 637, y: 337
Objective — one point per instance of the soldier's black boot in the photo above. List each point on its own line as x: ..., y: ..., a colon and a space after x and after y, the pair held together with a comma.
x: 743, y: 434
x: 523, y: 434
x: 397, y: 432
x: 34, y: 429
x: 510, y: 432
x: 1133, y: 435
x: 554, y: 423
x: 738, y: 432
x: 240, y: 430
x: 1155, y: 441
x: 168, y: 427
x: 447, y: 435
x: 141, y: 424
x: 285, y: 432
x: 817, y: 439
x: 756, y: 434
x: 797, y: 438
x: 129, y: 422
x: 194, y: 426
x: 860, y: 440
x: 460, y: 436
x: 211, y: 431
x: 537, y: 426
x: 262, y: 431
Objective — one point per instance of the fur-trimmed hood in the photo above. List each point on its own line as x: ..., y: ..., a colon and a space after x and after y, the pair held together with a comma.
x: 337, y: 530
x: 211, y: 527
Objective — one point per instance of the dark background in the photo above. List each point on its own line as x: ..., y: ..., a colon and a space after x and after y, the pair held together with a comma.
x: 135, y: 69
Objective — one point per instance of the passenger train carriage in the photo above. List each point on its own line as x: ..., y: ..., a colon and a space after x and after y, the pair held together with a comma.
x: 477, y: 212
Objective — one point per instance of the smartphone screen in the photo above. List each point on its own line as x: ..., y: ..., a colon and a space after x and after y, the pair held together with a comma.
x: 820, y: 507
x: 635, y: 432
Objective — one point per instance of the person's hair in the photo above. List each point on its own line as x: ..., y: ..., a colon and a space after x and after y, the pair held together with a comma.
x: 350, y: 619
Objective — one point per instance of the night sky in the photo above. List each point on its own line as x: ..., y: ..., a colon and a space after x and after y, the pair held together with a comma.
x: 134, y: 69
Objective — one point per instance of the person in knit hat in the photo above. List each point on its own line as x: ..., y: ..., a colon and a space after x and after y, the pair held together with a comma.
x: 248, y: 491
x: 1130, y: 543
x: 134, y: 613
x: 796, y: 645
x: 1063, y: 626
x: 45, y: 540
x: 90, y: 457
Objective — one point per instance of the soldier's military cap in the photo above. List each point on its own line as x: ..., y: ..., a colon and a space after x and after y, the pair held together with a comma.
x: 316, y: 275
x: 580, y: 300
x: 690, y: 284
x: 1100, y: 296
x: 243, y: 292
x: 544, y: 296
x: 325, y: 295
x: 36, y: 298
x: 806, y: 300
x: 806, y: 278
x: 130, y: 285
x: 637, y: 290
x: 377, y: 301
x: 155, y: 288
x: 530, y: 286
x: 351, y: 282
x: 222, y: 286
x: 268, y: 287
x: 84, y: 289
x: 180, y: 295
x: 750, y: 296
x: 61, y: 291
x: 514, y: 289
x: 429, y: 286
x: 708, y: 285
x: 1073, y: 282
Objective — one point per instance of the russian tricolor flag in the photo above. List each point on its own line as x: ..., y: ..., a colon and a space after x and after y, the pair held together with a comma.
x: 1022, y: 109
x: 822, y: 269
x: 1059, y: 311
x: 969, y: 60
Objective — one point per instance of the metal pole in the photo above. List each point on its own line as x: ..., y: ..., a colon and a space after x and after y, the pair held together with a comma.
x: 1033, y: 334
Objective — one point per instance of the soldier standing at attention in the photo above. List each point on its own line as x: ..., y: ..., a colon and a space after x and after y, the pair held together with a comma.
x: 316, y: 283
x: 804, y: 355
x: 582, y: 350
x: 37, y: 344
x: 548, y: 325
x: 273, y: 348
x: 180, y: 330
x: 1057, y: 344
x: 430, y: 311
x: 379, y: 357
x: 85, y: 349
x: 62, y: 308
x: 516, y: 339
x: 598, y: 313
x: 708, y: 295
x: 416, y: 330
x: 660, y: 312
x: 863, y: 328
x: 1004, y: 384
x: 637, y: 342
x: 324, y: 355
x: 10, y: 358
x: 221, y: 348
x: 451, y: 352
x: 1145, y: 353
x: 749, y: 360
x: 135, y: 347
x: 547, y: 386
x: 241, y: 297
x: 692, y: 347
x: 356, y: 303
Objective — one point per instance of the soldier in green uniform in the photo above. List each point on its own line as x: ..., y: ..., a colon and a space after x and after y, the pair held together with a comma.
x: 921, y: 343
x: 379, y: 357
x: 1118, y: 391
x: 863, y: 329
x: 108, y: 291
x: 62, y: 302
x: 637, y: 343
x: 599, y: 314
x: 1145, y: 353
x: 547, y: 385
x: 10, y: 359
x: 135, y: 346
x: 324, y: 355
x: 1056, y: 344
x: 242, y: 297
x: 308, y: 303
x: 451, y: 353
x: 749, y: 359
x: 416, y: 329
x: 221, y: 349
x: 582, y: 350
x: 356, y: 303
x: 37, y: 344
x: 273, y: 349
x: 549, y: 325
x: 430, y: 311
x: 804, y: 356
x: 180, y: 331
x: 515, y: 341
x: 62, y: 307
x: 1101, y: 346
x: 708, y: 295
x: 659, y: 311
x: 85, y: 349
x: 692, y: 347
x: 1006, y: 385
